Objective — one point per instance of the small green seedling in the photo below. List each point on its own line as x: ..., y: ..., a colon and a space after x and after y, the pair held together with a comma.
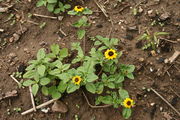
x: 54, y: 6
x: 152, y: 41
x: 80, y: 24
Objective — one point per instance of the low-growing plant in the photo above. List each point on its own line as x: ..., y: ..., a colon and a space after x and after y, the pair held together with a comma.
x: 80, y: 24
x: 99, y: 72
x: 152, y: 40
x: 54, y: 6
x: 79, y: 10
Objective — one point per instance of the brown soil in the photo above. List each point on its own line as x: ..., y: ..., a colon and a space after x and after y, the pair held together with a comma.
x: 164, y: 77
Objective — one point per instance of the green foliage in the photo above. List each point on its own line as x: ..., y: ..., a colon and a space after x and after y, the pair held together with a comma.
x: 152, y: 41
x: 54, y: 6
x: 81, y: 24
x: 51, y: 74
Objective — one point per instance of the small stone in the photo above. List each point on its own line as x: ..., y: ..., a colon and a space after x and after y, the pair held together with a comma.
x: 166, y: 60
x: 161, y: 109
x: 157, y: 1
x: 11, y: 39
x: 1, y: 30
x: 16, y: 37
x: 45, y: 110
x: 164, y: 16
x: 12, y: 55
x: 153, y: 53
x: 152, y: 104
x: 129, y: 37
x: 43, y: 43
x: 140, y: 10
x: 160, y: 60
x: 99, y: 25
x: 59, y: 106
x: 141, y: 59
x: 26, y: 50
x: 132, y: 28
x: 151, y: 70
x: 60, y: 18
x: 151, y: 13
x: 18, y: 17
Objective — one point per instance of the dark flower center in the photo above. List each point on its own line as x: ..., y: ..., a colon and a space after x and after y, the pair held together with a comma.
x: 76, y: 79
x: 79, y: 7
x: 111, y: 53
x: 128, y: 103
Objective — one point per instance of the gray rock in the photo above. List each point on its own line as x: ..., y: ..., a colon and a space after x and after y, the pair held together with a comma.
x: 164, y: 16
x: 59, y: 106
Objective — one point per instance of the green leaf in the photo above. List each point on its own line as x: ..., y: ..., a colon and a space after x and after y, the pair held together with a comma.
x: 45, y: 81
x: 91, y: 77
x: 97, y: 43
x: 40, y: 3
x: 52, y: 1
x: 62, y: 87
x: 87, y: 11
x: 54, y: 72
x: 71, y: 88
x: 57, y: 10
x: 120, y: 78
x: 114, y: 41
x: 131, y: 68
x: 64, y: 77
x: 66, y: 67
x: 63, y: 52
x: 30, y: 67
x: 107, y: 100
x: 55, y: 49
x: 36, y: 77
x: 58, y: 64
x: 111, y: 85
x: 161, y: 33
x: 72, y: 12
x: 102, y: 48
x: 56, y: 95
x: 67, y: 6
x: 126, y: 113
x: 35, y: 89
x: 44, y: 90
x: 50, y: 7
x: 91, y: 88
x: 41, y: 54
x: 28, y: 82
x: 81, y: 34
x: 99, y: 88
x: 130, y: 76
x: 41, y: 69
x: 123, y: 94
x: 29, y: 74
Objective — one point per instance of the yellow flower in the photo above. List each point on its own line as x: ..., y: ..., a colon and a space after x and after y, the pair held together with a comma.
x: 78, y: 8
x: 76, y: 80
x: 128, y: 103
x: 110, y: 54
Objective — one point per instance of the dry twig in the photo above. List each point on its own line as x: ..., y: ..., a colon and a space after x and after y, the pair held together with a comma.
x: 15, y: 79
x: 32, y: 98
x: 173, y: 57
x: 101, y: 8
x: 93, y: 106
x: 165, y: 101
x: 5, y: 9
x: 44, y: 16
x: 9, y: 94
x: 62, y: 32
x: 38, y: 107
